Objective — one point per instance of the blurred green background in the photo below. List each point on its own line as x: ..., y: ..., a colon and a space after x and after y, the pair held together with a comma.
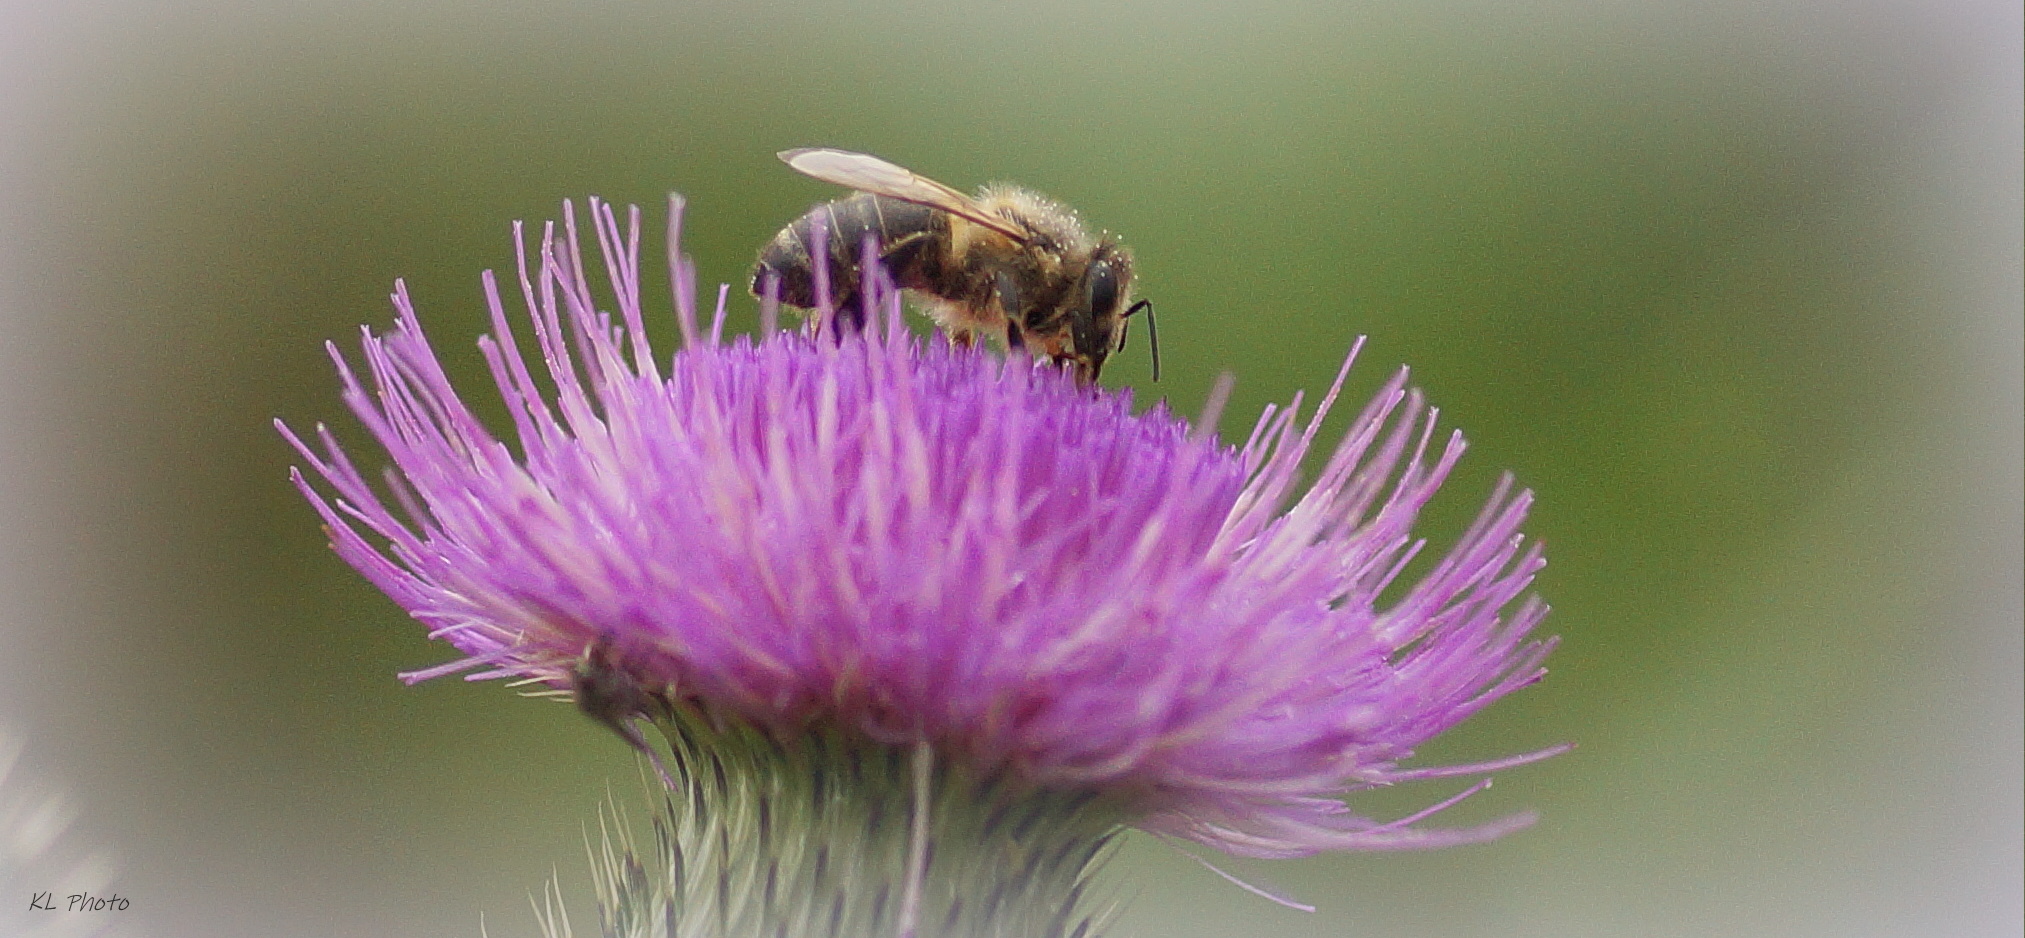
x: 1733, y: 287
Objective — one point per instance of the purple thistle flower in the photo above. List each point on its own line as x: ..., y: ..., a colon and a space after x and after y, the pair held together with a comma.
x: 912, y: 543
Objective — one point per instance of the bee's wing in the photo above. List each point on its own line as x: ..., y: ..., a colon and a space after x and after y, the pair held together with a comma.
x: 867, y: 173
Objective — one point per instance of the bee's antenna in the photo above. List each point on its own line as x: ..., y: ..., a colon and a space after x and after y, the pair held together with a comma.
x: 1152, y: 332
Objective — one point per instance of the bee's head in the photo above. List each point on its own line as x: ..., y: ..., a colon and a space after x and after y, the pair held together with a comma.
x: 1099, y: 308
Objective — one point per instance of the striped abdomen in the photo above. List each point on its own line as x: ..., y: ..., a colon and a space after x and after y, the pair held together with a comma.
x: 907, y: 238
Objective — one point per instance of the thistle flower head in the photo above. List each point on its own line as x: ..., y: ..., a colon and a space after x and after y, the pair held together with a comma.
x: 914, y: 543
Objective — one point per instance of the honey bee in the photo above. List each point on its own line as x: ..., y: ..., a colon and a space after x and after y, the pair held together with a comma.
x: 1009, y: 262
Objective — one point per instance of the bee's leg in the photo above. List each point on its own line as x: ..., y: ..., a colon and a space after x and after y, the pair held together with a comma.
x: 902, y: 258
x: 848, y: 306
x: 849, y: 312
x: 1008, y: 296
x: 1009, y: 303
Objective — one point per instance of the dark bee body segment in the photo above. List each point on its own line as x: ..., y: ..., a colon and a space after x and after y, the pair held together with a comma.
x: 905, y: 237
x: 615, y: 698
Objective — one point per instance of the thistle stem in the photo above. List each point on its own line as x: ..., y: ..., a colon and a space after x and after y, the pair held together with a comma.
x: 917, y: 846
x: 821, y: 833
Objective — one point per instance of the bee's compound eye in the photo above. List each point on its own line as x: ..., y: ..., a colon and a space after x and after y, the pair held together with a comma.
x: 1103, y: 286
